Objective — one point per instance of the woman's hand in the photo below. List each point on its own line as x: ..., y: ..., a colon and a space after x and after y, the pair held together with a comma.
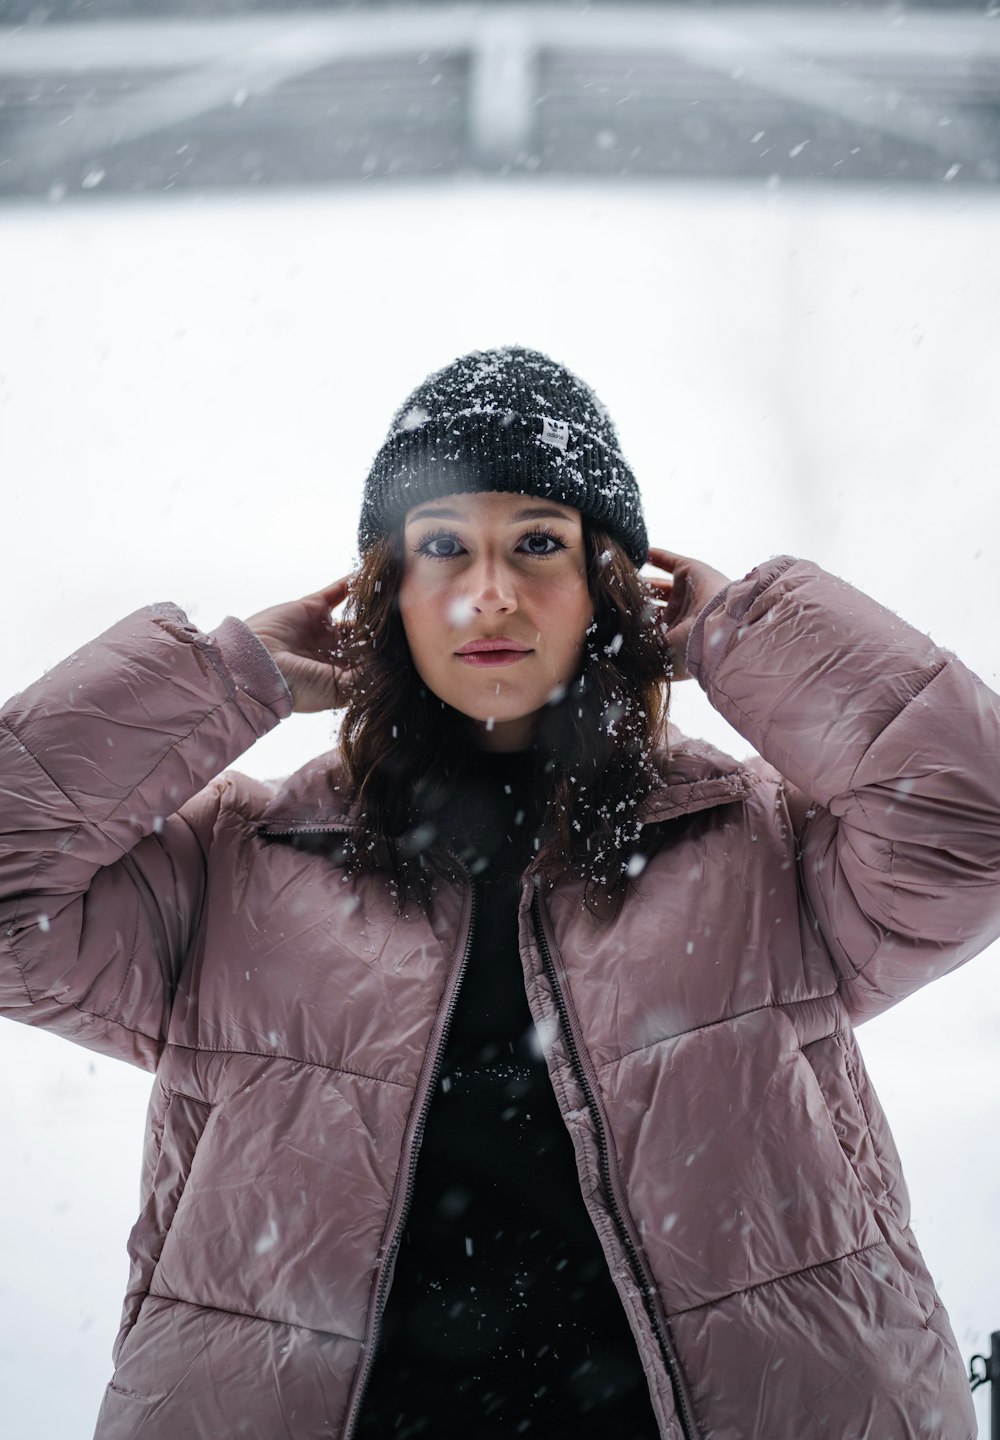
x: 308, y: 647
x: 692, y: 586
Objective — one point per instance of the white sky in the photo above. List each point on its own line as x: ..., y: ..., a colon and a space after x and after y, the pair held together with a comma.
x: 190, y: 394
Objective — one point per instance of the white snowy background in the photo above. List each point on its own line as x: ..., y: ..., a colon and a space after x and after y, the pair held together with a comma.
x: 190, y: 394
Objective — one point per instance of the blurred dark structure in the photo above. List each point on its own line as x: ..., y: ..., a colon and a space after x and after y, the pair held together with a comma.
x: 985, y: 1370
x: 235, y: 93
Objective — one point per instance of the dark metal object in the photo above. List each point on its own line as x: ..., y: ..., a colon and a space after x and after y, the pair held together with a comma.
x: 987, y: 1371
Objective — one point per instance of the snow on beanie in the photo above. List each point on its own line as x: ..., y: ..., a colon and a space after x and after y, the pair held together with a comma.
x: 510, y: 420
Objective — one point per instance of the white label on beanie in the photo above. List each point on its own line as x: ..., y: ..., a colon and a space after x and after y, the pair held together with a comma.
x: 555, y: 432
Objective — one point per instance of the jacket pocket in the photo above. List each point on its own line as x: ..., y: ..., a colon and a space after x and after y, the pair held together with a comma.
x: 731, y: 1161
x: 866, y: 1141
x: 180, y: 1128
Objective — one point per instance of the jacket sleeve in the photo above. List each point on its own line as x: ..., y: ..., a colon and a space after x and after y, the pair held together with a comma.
x: 890, y: 749
x: 107, y: 816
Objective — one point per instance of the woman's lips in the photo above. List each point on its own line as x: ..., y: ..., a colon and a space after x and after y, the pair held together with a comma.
x: 496, y: 650
x: 486, y: 658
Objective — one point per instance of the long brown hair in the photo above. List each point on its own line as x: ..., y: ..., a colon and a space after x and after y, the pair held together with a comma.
x: 402, y: 746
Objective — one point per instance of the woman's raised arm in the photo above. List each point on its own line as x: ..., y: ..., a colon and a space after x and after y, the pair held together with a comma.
x: 107, y: 817
x: 891, y: 750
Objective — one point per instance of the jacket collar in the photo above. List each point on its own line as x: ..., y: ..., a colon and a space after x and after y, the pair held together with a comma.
x: 695, y: 776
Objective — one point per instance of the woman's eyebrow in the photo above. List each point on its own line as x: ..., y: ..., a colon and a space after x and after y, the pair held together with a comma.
x: 428, y: 513
x: 540, y: 512
x: 533, y: 512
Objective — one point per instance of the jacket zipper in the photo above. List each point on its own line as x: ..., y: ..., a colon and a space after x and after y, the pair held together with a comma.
x: 688, y: 1424
x: 673, y: 1369
x: 361, y: 1384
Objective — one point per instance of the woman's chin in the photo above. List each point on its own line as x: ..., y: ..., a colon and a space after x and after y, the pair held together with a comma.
x: 501, y: 712
x: 506, y: 730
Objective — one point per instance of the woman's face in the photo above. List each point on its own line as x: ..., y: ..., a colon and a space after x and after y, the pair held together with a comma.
x: 495, y: 605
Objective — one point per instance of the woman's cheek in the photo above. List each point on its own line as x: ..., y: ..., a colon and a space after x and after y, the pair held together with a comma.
x: 458, y: 612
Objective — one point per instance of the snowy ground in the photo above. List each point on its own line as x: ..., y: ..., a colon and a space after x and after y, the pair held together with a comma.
x: 190, y: 393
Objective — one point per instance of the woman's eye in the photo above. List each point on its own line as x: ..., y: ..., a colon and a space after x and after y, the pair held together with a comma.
x: 440, y: 547
x: 542, y: 543
x: 447, y: 546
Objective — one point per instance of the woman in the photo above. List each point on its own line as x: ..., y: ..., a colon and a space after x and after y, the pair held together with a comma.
x: 506, y: 1080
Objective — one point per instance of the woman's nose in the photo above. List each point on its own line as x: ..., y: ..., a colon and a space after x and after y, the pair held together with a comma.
x: 492, y: 592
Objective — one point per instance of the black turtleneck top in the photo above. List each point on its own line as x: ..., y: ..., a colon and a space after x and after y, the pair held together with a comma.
x: 502, y: 1319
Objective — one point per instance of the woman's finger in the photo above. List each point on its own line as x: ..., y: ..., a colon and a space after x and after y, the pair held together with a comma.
x: 336, y: 593
x: 665, y: 559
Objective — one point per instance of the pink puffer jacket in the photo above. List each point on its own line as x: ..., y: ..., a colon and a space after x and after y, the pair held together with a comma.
x: 731, y: 1151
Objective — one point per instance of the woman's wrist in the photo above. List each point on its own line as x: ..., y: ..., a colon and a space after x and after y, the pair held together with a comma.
x: 252, y: 666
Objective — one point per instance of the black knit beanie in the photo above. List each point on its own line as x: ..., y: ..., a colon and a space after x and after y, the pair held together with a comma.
x: 510, y: 420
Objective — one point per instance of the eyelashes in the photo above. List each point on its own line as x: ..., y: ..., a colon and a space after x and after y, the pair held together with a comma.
x: 544, y: 534
x: 423, y: 546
